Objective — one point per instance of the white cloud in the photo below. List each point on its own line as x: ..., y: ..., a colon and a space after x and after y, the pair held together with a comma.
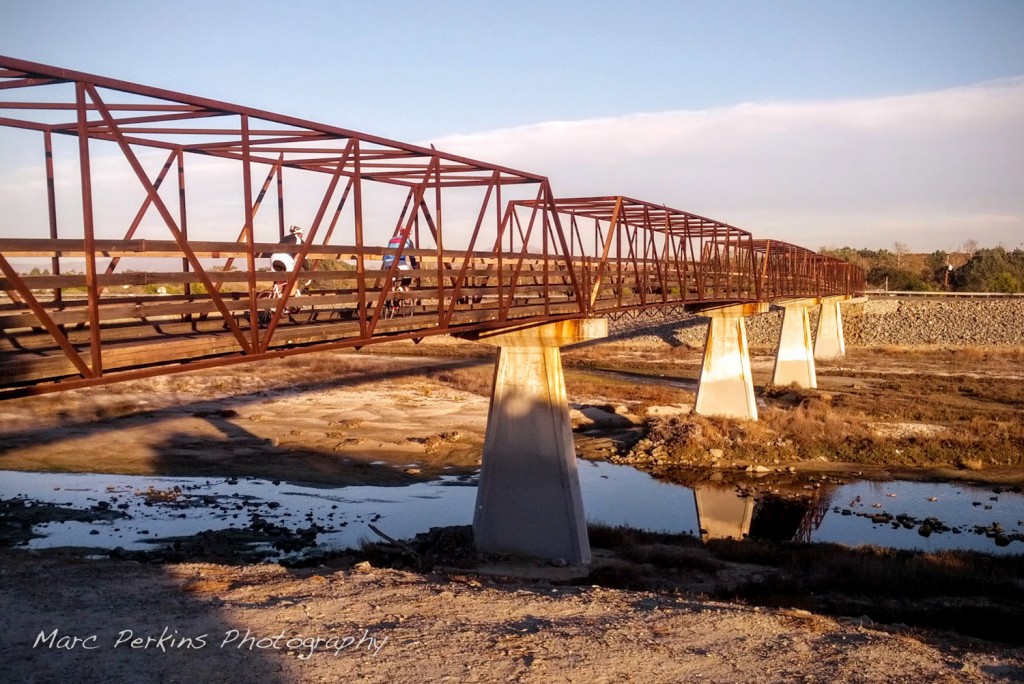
x: 929, y: 170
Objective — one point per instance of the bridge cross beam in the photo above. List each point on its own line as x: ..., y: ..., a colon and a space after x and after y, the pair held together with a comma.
x: 528, y: 500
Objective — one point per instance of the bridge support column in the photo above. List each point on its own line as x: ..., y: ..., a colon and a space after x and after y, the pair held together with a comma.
x: 529, y: 500
x: 829, y: 342
x: 726, y: 387
x: 794, y: 359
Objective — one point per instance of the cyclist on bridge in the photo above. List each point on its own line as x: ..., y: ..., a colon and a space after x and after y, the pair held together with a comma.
x: 406, y: 262
x: 284, y: 262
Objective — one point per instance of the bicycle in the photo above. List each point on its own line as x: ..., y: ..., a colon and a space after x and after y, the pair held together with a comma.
x: 296, y: 314
x: 402, y: 303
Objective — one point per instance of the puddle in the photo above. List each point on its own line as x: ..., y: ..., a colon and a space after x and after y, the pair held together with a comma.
x: 142, y: 512
x: 925, y: 516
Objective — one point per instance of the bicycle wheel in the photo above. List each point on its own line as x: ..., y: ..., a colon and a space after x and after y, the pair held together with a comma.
x: 263, y: 315
x: 302, y: 314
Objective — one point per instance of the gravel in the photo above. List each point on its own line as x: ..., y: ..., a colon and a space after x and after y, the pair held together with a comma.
x: 995, y: 321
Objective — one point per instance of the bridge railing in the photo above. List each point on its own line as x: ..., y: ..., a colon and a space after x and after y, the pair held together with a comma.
x: 631, y: 254
x: 56, y: 325
x: 788, y: 271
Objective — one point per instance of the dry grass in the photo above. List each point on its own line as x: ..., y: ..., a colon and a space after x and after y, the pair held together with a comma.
x: 962, y: 591
x: 475, y: 380
x: 968, y: 393
x: 970, y: 593
x: 973, y: 432
x: 637, y: 396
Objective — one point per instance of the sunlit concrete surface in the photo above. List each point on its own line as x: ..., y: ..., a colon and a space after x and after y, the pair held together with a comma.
x: 726, y: 387
x: 529, y: 501
x: 794, y: 358
x: 829, y: 342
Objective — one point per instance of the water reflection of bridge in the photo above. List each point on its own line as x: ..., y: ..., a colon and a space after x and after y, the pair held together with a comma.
x: 147, y: 221
x: 726, y: 512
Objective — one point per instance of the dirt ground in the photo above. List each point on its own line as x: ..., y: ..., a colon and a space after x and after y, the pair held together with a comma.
x: 374, y: 418
x: 264, y: 623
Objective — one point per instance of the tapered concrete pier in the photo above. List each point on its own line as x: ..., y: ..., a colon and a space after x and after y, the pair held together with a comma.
x: 794, y: 358
x: 829, y: 342
x: 528, y: 501
x: 726, y: 387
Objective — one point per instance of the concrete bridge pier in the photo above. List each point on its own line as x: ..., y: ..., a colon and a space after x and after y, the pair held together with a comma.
x: 726, y: 387
x: 794, y: 359
x: 528, y: 501
x: 829, y: 342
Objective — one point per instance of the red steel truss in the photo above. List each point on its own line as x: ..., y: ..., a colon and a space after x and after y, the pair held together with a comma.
x: 141, y: 240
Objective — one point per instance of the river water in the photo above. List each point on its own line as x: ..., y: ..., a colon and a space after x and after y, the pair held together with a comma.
x: 896, y: 514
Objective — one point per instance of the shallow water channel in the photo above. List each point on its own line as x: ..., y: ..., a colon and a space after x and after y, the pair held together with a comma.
x: 149, y: 509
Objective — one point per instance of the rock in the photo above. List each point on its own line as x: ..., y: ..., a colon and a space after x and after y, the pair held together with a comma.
x: 668, y: 411
x: 877, y: 322
x: 717, y: 454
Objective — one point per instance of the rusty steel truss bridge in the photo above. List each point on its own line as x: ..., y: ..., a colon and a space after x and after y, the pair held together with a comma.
x: 137, y: 225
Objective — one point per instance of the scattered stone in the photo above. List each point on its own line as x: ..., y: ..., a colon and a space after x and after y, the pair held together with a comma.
x: 906, y: 430
x: 667, y: 411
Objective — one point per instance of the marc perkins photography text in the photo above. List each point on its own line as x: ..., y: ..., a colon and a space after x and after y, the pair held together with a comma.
x: 171, y: 640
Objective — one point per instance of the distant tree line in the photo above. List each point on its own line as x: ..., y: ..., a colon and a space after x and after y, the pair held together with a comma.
x: 969, y: 270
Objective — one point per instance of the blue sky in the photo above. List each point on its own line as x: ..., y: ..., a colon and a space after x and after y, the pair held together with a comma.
x: 823, y: 123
